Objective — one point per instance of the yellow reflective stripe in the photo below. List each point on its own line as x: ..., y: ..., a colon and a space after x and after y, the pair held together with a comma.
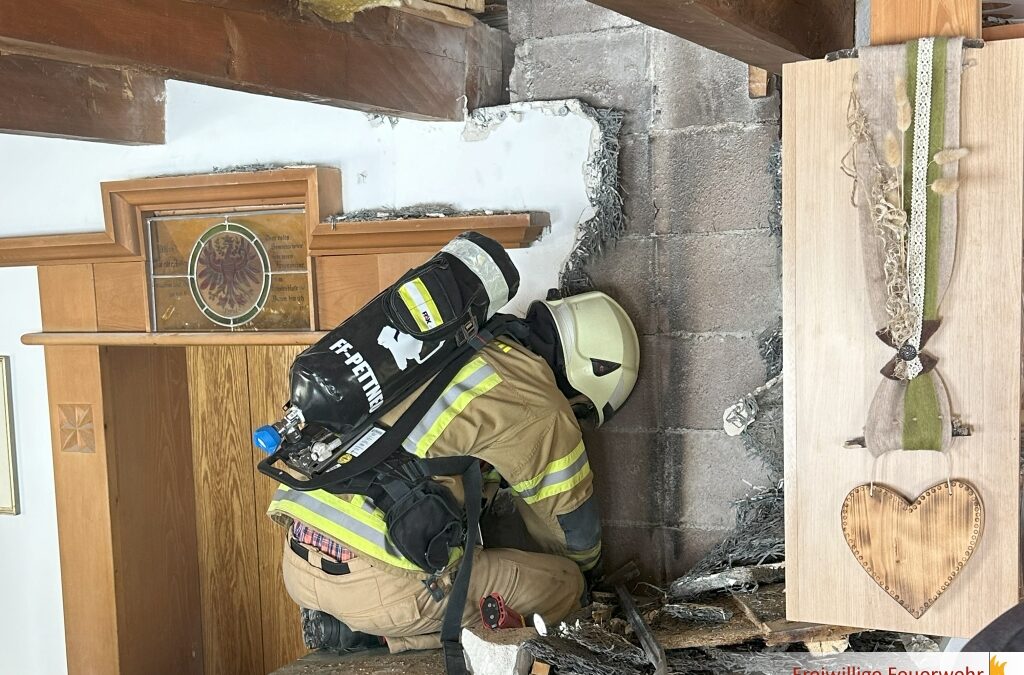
x: 559, y: 488
x: 367, y: 505
x: 552, y: 468
x: 502, y: 346
x: 333, y: 530
x: 586, y: 559
x: 413, y: 307
x: 437, y: 427
x: 349, y: 509
x: 429, y: 299
x: 348, y: 535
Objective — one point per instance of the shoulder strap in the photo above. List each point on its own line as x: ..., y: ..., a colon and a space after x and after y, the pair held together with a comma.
x: 451, y: 627
x: 499, y: 325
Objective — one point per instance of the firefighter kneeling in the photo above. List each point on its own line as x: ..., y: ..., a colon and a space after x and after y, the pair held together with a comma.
x: 515, y: 411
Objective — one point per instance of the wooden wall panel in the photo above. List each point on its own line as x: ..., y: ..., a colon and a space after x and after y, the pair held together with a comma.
x: 66, y: 297
x: 269, y: 369
x: 122, y: 298
x: 391, y: 266
x: 80, y: 469
x: 344, y: 283
x: 832, y: 356
x: 154, y: 520
x: 896, y: 21
x: 222, y: 460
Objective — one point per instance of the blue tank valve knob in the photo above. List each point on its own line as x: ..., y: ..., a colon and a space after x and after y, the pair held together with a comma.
x: 267, y: 439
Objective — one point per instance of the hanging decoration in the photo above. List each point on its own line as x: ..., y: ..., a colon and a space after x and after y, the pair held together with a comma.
x: 937, y: 535
x: 904, y: 119
x: 905, y: 122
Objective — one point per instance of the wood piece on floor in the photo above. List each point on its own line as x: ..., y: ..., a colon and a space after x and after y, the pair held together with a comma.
x: 788, y: 632
x: 826, y: 647
x: 736, y: 578
x: 764, y: 606
x: 696, y: 613
x: 372, y: 662
x: 44, y: 97
x: 675, y: 635
x: 540, y: 668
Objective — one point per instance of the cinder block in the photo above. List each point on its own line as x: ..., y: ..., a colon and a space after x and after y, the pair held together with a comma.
x: 720, y: 282
x: 635, y: 170
x: 682, y: 548
x: 713, y: 180
x: 694, y: 86
x: 638, y: 543
x: 703, y: 375
x: 714, y: 471
x: 626, y: 272
x: 546, y: 18
x: 628, y: 475
x: 606, y: 70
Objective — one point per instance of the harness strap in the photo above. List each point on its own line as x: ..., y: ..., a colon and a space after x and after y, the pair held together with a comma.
x: 451, y: 627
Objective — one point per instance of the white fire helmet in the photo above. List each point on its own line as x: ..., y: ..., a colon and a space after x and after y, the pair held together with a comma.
x: 600, y: 349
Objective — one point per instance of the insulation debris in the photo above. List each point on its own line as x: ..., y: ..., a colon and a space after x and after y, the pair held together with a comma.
x: 608, y: 222
x: 343, y: 10
x: 734, y: 579
x: 414, y: 211
x: 696, y: 613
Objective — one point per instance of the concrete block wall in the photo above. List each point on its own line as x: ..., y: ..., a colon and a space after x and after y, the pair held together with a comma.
x: 699, y: 268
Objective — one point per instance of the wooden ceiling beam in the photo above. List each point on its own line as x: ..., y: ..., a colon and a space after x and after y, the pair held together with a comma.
x: 52, y: 98
x: 384, y: 62
x: 762, y: 33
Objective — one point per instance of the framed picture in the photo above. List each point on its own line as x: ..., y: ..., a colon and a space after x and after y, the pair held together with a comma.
x: 8, y: 477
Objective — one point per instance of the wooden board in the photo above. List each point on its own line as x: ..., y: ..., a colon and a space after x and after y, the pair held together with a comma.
x: 66, y: 297
x: 268, y: 371
x: 67, y: 100
x: 80, y: 471
x: 225, y: 504
x: 173, y: 339
x: 145, y: 391
x: 832, y: 356
x: 347, y: 282
x: 406, y: 65
x: 122, y: 298
x: 896, y: 21
x: 407, y: 235
x: 764, y: 33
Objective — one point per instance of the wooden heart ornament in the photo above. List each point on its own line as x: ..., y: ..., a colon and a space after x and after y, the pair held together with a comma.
x: 914, y: 551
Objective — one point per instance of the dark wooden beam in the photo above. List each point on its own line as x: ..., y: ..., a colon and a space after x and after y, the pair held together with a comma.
x: 763, y: 33
x: 52, y: 98
x: 386, y: 61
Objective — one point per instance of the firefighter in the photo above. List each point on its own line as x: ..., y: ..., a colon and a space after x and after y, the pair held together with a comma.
x: 516, y: 413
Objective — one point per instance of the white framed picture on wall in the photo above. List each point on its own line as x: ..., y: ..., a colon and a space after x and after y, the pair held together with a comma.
x: 8, y: 477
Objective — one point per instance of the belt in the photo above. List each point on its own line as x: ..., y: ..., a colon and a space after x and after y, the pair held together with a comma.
x: 335, y: 569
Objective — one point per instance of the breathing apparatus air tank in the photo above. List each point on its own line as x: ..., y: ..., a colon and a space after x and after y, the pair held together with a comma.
x: 389, y: 348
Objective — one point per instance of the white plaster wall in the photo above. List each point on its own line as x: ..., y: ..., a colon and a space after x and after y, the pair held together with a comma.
x: 532, y: 161
x: 31, y: 609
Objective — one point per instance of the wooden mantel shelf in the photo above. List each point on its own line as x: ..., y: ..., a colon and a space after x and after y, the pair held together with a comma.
x: 269, y: 338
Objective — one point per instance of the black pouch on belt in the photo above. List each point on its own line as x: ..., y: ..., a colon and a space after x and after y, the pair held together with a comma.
x: 425, y: 522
